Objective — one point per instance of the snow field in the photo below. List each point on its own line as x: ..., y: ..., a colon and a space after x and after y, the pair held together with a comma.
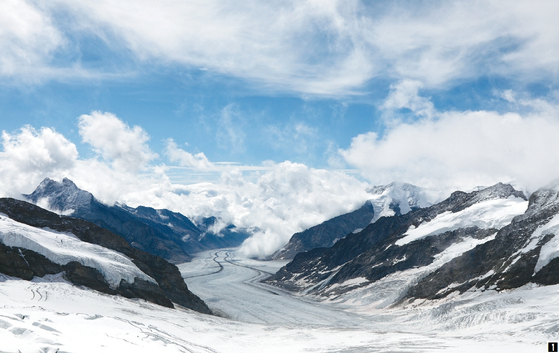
x: 62, y: 248
x: 48, y: 314
x: 485, y: 215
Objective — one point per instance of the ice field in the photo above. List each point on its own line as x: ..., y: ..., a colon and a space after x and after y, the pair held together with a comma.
x: 50, y: 315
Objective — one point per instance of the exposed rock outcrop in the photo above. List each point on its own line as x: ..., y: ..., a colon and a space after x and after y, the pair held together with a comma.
x: 483, y: 239
x: 25, y: 264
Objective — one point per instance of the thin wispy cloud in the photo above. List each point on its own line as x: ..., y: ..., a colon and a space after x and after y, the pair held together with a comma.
x: 319, y: 48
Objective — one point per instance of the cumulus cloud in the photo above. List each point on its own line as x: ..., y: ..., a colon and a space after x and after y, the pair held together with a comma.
x: 29, y: 155
x: 273, y: 200
x: 461, y: 150
x: 125, y: 147
x: 197, y: 161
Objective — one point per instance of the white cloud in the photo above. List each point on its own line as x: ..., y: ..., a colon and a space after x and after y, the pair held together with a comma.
x: 28, y: 39
x: 286, y: 199
x: 275, y: 200
x: 452, y: 40
x: 125, y: 147
x: 405, y: 95
x: 197, y: 161
x: 461, y: 150
x: 30, y: 155
x: 327, y: 47
x: 293, y: 197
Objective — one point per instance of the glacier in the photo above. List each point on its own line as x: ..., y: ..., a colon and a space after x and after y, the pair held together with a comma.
x: 50, y: 315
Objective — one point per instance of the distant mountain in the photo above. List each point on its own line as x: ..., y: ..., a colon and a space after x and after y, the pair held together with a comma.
x: 326, y: 233
x: 36, y: 242
x: 488, y: 239
x: 387, y: 200
x: 396, y: 199
x: 163, y: 233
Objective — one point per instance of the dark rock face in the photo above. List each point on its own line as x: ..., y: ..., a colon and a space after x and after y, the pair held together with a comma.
x: 163, y: 233
x: 373, y: 254
x: 327, y: 233
x: 386, y: 200
x: 504, y: 263
x: 193, y: 238
x: 26, y: 264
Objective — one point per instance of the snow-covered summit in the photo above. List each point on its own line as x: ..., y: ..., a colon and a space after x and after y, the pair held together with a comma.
x: 396, y: 199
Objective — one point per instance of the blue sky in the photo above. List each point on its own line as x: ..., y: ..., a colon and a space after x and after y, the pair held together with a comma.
x: 190, y: 105
x: 300, y: 107
x: 140, y: 101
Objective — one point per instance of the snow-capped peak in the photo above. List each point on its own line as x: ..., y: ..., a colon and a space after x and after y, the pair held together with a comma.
x: 62, y: 197
x: 396, y: 199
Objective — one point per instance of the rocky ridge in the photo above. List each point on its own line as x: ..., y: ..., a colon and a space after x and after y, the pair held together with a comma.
x: 487, y: 239
x: 387, y: 200
x: 23, y: 263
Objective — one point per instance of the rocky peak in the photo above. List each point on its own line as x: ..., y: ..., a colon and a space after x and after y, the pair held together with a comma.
x: 497, y: 191
x: 460, y: 200
x: 60, y: 196
x: 544, y: 200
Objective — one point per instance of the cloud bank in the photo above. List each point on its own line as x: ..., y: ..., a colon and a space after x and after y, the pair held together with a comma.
x: 274, y: 200
x: 442, y: 151
x: 445, y: 151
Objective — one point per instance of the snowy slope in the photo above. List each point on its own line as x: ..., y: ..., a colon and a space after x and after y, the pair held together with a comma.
x: 35, y: 242
x: 398, y: 256
x: 489, y: 214
x: 48, y: 314
x: 62, y: 248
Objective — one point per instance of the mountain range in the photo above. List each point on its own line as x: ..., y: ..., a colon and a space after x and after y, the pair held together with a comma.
x: 160, y: 232
x: 387, y: 200
x: 395, y: 249
x: 490, y: 239
x: 35, y: 242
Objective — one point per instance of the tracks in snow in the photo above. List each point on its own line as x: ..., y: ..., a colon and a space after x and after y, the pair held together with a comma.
x: 36, y: 294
